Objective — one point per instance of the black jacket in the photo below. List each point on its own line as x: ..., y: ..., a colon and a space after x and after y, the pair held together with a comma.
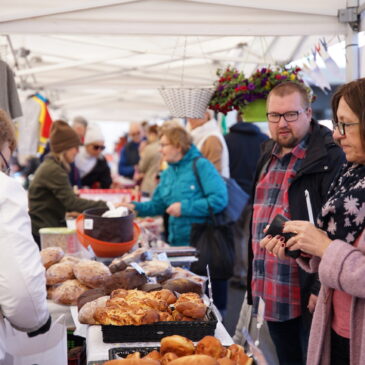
x: 99, y: 177
x: 243, y: 142
x: 317, y: 171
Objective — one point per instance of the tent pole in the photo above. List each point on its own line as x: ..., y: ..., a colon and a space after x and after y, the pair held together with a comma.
x: 352, y: 55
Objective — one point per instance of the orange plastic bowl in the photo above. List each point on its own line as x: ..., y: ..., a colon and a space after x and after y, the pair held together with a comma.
x: 103, y: 248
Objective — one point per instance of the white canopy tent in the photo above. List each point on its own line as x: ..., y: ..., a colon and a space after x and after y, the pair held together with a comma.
x: 105, y: 59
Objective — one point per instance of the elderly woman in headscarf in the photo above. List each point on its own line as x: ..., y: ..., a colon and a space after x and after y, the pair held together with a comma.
x: 92, y: 165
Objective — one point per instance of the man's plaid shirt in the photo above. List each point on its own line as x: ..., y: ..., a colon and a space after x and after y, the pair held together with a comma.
x: 275, y: 281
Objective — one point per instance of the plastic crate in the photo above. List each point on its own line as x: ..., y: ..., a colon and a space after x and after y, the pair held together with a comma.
x: 195, y: 330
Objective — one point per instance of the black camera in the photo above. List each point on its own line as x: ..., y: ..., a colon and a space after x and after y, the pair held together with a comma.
x: 276, y: 228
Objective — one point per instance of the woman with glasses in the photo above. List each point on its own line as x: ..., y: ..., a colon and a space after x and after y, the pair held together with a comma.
x: 92, y: 165
x: 22, y: 278
x: 50, y: 193
x: 335, y: 247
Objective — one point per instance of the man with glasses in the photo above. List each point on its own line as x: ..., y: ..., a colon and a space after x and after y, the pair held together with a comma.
x: 90, y: 162
x: 129, y: 155
x: 302, y: 155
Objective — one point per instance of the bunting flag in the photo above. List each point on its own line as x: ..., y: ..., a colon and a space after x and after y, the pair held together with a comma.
x: 45, y: 122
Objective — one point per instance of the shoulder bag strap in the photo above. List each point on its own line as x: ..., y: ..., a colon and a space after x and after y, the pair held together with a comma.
x: 196, y: 173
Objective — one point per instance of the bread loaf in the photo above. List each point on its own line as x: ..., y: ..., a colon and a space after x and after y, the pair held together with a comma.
x: 58, y: 273
x: 68, y: 292
x: 86, y: 313
x: 91, y: 273
x: 89, y: 296
x: 51, y: 255
x: 127, y: 279
x: 182, y: 286
x: 191, y: 305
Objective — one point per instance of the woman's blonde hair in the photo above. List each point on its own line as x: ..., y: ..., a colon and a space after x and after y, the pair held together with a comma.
x: 61, y: 158
x: 7, y: 131
x: 177, y: 136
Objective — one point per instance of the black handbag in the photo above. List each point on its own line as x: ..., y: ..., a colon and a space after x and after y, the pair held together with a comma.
x: 237, y: 200
x: 214, y: 243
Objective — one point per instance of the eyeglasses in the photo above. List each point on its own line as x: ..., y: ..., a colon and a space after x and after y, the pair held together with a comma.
x: 162, y: 145
x: 289, y: 117
x: 97, y: 147
x: 6, y: 169
x: 341, y: 126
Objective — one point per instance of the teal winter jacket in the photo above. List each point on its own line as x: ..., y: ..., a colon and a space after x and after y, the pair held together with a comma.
x: 178, y: 184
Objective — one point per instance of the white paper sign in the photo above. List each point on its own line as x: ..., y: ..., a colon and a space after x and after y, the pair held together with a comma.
x: 162, y: 256
x: 88, y: 223
x: 138, y: 268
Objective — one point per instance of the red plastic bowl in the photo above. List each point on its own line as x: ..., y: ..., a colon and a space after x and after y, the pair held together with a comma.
x: 103, y: 248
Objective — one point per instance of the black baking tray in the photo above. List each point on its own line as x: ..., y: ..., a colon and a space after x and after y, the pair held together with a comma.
x: 195, y: 330
x: 123, y: 352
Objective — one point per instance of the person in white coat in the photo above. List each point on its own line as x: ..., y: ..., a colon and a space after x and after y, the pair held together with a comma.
x: 22, y: 277
x: 208, y: 137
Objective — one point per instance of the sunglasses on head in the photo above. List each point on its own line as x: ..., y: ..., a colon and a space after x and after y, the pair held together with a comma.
x: 97, y: 147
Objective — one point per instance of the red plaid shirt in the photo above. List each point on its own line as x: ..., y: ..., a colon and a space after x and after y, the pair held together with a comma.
x: 275, y: 281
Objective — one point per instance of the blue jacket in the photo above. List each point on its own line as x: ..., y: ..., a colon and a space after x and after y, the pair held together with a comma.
x: 178, y: 184
x: 129, y: 157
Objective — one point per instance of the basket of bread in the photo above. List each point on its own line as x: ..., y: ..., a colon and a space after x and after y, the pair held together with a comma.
x: 179, y: 350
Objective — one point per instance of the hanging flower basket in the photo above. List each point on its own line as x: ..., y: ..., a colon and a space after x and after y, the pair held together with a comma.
x: 187, y: 102
x: 254, y: 111
x: 248, y: 94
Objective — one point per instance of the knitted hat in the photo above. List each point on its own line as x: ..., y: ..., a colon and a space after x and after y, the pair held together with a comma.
x: 63, y: 137
x: 93, y: 134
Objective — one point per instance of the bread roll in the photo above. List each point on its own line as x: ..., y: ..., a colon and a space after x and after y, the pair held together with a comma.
x: 154, y: 355
x: 148, y: 287
x: 68, y: 292
x: 191, y: 305
x: 225, y: 361
x: 179, y: 345
x: 237, y: 354
x: 195, y: 360
x: 86, y: 313
x: 91, y: 273
x: 58, y: 273
x: 166, y: 295
x: 210, y: 346
x: 121, y: 263
x: 132, y: 362
x: 51, y: 255
x: 167, y: 358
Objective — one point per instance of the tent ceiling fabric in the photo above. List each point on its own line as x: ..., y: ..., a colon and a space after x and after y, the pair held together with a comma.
x: 105, y: 59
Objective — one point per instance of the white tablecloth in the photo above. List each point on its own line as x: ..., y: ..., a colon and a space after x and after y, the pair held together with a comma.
x: 97, y: 350
x: 56, y: 310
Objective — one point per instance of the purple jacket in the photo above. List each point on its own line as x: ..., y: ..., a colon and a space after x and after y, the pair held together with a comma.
x: 342, y: 267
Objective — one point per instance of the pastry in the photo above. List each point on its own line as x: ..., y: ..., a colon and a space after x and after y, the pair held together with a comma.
x: 179, y: 345
x: 210, y: 346
x: 154, y: 355
x: 237, y: 353
x: 91, y: 273
x: 191, y: 305
x: 168, y: 357
x: 195, y: 360
x: 51, y: 255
